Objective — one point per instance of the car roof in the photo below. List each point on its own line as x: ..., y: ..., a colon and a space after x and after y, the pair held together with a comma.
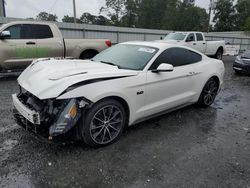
x: 30, y: 22
x: 154, y: 44
x: 162, y: 45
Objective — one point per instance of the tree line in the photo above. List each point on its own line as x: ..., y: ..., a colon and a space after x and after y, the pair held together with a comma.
x: 166, y: 14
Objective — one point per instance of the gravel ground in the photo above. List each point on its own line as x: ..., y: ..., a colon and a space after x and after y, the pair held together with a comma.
x: 192, y: 147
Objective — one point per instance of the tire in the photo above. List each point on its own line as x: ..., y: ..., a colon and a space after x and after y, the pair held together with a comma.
x: 103, y: 124
x: 208, y: 93
x: 219, y: 54
x: 88, y: 54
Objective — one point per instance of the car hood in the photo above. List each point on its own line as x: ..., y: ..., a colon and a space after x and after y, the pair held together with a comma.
x: 246, y: 55
x: 49, y: 78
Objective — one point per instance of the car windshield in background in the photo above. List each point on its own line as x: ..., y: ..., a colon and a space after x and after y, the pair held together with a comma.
x: 127, y: 56
x: 175, y: 36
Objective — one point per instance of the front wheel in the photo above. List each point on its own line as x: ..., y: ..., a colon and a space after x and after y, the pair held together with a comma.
x: 209, y: 93
x: 103, y: 123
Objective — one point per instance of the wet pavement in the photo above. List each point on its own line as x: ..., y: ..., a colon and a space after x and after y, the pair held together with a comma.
x: 191, y: 147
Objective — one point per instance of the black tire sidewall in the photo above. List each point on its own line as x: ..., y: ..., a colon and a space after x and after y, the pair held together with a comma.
x: 87, y: 55
x: 219, y: 52
x: 201, y: 99
x: 86, y: 121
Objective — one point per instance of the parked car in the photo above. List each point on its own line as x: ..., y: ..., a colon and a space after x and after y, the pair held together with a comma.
x: 123, y: 85
x: 197, y: 41
x: 22, y: 42
x: 242, y: 63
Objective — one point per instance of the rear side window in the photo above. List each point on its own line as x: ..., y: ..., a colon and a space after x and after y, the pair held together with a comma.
x: 177, y: 57
x: 199, y: 37
x: 26, y: 32
x: 41, y: 31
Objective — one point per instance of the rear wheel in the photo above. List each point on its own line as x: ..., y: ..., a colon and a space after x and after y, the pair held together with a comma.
x: 103, y: 123
x: 209, y: 93
x: 219, y: 54
x: 88, y: 54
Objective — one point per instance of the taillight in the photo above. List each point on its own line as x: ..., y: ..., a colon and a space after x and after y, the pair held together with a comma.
x: 108, y: 43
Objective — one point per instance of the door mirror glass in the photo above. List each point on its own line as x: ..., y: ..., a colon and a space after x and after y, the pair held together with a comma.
x: 5, y: 34
x: 164, y: 67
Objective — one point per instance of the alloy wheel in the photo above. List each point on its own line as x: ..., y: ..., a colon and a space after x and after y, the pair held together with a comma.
x: 106, y: 124
x: 210, y: 92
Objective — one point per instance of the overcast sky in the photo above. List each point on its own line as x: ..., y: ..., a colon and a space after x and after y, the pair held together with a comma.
x: 30, y: 8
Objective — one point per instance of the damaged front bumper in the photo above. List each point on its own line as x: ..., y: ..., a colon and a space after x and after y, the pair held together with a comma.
x: 48, y: 118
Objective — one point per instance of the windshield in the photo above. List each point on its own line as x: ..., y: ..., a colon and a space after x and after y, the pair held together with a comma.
x: 175, y: 36
x: 126, y: 56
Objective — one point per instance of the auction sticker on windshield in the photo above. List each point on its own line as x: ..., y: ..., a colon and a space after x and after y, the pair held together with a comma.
x: 148, y: 50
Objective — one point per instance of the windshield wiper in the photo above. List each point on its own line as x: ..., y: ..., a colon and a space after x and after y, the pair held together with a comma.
x: 109, y: 63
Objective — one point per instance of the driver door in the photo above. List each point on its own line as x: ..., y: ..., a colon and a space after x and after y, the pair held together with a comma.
x: 167, y: 90
x: 191, y: 41
x: 19, y: 49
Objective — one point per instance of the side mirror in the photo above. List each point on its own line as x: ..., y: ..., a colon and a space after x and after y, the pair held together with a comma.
x: 5, y: 34
x: 164, y: 67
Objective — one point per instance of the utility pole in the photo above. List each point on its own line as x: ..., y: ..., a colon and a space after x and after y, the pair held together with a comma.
x: 74, y: 9
x: 2, y: 8
x: 209, y: 17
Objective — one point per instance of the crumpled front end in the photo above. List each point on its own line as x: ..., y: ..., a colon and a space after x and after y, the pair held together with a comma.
x: 48, y: 118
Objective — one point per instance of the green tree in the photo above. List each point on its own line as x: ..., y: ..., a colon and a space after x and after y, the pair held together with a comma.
x: 47, y: 17
x: 69, y: 19
x: 151, y: 13
x: 243, y: 13
x: 115, y: 10
x: 190, y: 18
x: 225, y: 16
x: 88, y: 18
x: 247, y: 25
x: 102, y: 20
x: 130, y: 16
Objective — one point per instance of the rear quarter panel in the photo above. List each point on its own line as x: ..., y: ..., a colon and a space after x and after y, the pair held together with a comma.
x: 74, y: 47
x: 207, y: 69
x: 213, y: 46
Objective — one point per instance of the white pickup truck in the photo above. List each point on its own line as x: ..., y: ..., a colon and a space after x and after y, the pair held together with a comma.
x: 197, y: 41
x: 23, y: 41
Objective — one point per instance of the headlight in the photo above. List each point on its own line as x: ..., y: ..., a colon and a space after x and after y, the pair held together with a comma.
x: 66, y: 119
x: 239, y: 60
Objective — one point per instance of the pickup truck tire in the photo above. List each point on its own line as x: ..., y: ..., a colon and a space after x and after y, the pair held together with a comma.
x: 88, y: 54
x: 219, y: 54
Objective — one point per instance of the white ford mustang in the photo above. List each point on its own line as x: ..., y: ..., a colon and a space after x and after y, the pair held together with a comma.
x: 121, y: 86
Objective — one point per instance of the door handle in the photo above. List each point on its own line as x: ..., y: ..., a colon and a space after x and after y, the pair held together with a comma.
x: 194, y: 43
x: 204, y: 43
x: 30, y: 43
